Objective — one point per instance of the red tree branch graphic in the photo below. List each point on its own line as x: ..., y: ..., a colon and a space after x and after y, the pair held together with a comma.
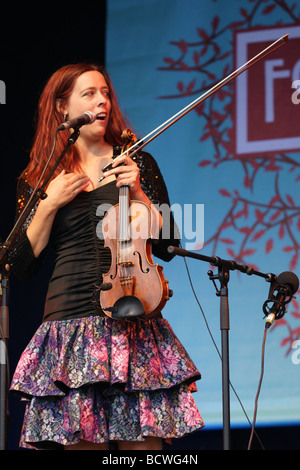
x: 249, y: 220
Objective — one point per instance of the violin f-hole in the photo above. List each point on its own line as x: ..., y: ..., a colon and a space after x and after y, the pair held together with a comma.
x: 141, y: 263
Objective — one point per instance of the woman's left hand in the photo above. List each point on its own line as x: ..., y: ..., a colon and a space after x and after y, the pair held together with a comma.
x: 127, y: 173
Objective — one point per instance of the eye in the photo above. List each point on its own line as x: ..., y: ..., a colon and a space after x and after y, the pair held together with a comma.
x: 89, y: 93
x: 106, y: 93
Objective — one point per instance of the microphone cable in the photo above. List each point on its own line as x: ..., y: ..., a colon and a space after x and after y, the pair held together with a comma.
x: 259, y: 387
x: 288, y: 284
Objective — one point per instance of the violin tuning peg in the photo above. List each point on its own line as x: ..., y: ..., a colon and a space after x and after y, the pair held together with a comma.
x: 170, y: 294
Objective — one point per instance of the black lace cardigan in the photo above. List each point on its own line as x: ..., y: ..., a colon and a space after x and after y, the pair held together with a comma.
x: 21, y: 257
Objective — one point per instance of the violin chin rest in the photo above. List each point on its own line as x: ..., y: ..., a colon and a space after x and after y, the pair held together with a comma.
x: 128, y: 306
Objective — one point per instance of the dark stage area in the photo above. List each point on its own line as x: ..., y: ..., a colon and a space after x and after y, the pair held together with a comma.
x: 271, y: 438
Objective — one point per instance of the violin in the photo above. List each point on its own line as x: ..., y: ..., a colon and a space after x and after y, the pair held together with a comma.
x: 134, y: 286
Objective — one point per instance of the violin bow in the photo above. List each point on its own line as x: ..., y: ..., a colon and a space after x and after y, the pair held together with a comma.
x: 180, y: 114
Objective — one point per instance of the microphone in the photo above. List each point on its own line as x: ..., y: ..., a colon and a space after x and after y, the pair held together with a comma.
x: 86, y: 118
x: 286, y: 285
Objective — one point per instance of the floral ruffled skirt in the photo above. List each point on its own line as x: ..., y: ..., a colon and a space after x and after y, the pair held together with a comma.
x: 102, y: 380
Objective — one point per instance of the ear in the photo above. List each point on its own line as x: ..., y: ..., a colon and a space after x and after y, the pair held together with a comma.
x: 61, y: 106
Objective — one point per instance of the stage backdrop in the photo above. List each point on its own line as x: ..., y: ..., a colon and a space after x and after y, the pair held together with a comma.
x: 236, y: 155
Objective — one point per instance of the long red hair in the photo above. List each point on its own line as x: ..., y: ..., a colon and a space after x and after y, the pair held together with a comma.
x: 59, y: 87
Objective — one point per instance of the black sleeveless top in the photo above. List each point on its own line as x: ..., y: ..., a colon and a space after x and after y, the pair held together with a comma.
x: 80, y: 255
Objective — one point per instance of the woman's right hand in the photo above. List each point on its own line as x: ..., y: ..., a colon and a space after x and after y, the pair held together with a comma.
x: 62, y: 189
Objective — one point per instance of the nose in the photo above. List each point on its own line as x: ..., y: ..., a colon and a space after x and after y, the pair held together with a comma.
x: 101, y: 99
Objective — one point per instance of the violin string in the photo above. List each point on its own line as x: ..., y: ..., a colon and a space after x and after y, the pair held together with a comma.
x: 123, y: 230
x: 121, y: 222
x: 119, y: 240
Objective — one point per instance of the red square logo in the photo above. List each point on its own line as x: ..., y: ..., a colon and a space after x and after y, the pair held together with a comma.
x: 267, y: 118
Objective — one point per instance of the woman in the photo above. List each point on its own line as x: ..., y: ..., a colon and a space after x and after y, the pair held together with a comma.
x: 88, y: 379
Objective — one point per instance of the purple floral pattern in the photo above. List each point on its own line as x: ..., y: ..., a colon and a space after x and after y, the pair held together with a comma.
x: 101, y: 380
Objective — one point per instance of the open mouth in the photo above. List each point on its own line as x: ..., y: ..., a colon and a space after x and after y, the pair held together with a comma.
x: 101, y: 117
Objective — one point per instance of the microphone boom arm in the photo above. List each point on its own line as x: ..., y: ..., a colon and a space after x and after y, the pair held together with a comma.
x: 224, y: 266
x: 38, y: 193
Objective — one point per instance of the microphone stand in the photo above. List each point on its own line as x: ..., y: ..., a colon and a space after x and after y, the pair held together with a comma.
x: 38, y: 193
x: 224, y: 266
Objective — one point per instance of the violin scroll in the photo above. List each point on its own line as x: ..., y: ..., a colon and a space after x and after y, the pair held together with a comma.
x: 129, y: 139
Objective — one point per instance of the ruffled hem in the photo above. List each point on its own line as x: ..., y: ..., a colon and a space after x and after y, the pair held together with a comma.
x: 63, y: 355
x: 92, y: 416
x: 101, y: 380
